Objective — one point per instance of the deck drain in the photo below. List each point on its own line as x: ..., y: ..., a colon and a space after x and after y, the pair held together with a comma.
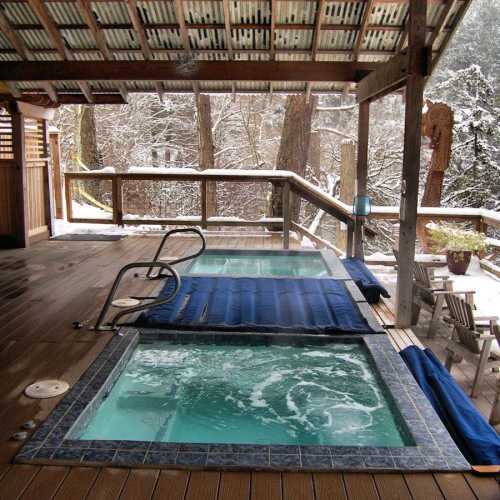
x: 126, y: 302
x: 45, y: 389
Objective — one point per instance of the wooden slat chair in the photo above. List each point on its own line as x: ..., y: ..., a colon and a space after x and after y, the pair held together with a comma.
x: 425, y: 296
x: 472, y: 337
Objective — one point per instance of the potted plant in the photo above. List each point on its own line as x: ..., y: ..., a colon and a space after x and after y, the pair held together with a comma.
x: 459, y: 244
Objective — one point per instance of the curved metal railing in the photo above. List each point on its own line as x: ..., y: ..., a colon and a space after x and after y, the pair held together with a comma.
x: 149, y: 274
x: 155, y: 301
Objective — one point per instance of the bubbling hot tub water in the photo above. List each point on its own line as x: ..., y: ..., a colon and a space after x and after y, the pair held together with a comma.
x: 256, y: 394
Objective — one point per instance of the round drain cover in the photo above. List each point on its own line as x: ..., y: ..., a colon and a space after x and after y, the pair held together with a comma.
x: 44, y: 389
x: 127, y: 302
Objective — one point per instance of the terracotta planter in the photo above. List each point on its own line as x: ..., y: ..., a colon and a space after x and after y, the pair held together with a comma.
x: 458, y: 262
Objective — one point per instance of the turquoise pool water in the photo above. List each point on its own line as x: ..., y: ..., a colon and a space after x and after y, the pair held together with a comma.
x: 256, y: 394
x: 262, y: 264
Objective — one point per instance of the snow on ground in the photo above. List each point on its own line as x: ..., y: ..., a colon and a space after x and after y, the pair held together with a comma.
x: 486, y: 286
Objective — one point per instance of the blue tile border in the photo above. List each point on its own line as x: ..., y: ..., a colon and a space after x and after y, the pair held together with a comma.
x: 55, y: 440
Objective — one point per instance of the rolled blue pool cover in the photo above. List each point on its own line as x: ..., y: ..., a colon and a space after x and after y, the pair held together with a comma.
x: 475, y: 437
x: 368, y: 284
x: 306, y: 305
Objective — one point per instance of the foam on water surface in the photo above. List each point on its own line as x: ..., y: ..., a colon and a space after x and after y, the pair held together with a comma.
x: 256, y: 394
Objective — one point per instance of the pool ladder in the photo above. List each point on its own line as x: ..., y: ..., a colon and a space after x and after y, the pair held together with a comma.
x: 132, y: 305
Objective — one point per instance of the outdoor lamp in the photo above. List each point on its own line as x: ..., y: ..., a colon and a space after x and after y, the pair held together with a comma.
x: 362, y: 206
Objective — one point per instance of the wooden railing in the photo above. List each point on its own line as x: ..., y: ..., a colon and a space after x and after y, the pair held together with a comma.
x: 291, y: 183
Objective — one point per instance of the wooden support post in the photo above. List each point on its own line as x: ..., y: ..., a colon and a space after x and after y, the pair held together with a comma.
x: 347, y: 186
x: 286, y: 215
x: 68, y: 199
x: 20, y: 186
x: 204, y: 207
x: 117, y: 200
x: 411, y: 160
x: 350, y: 241
x: 47, y: 182
x: 55, y: 156
x: 361, y: 172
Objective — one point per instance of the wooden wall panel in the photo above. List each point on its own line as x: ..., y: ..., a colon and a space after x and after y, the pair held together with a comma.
x: 7, y: 200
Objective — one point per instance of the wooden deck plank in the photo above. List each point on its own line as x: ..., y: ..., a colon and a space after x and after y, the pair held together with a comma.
x: 392, y: 487
x: 266, y: 486
x: 45, y: 484
x: 423, y: 487
x: 360, y: 486
x: 328, y: 486
x: 77, y: 483
x: 485, y: 488
x: 454, y: 486
x: 203, y: 485
x: 234, y: 486
x: 297, y: 486
x: 140, y: 484
x: 172, y: 484
x: 109, y: 484
x: 16, y: 480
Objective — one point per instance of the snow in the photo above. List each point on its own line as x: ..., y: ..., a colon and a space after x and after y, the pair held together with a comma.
x: 84, y: 211
x: 161, y: 170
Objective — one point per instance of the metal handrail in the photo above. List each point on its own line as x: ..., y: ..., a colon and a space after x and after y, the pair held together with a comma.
x: 157, y: 301
x: 182, y: 259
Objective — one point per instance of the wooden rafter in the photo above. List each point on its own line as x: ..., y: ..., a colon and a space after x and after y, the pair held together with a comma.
x: 227, y: 28
x: 92, y: 24
x: 139, y: 29
x: 43, y: 15
x: 179, y: 13
x: 362, y: 28
x: 291, y: 71
x: 272, y: 27
x: 218, y: 26
x: 441, y: 22
x: 25, y: 54
x: 99, y: 39
x: 320, y: 14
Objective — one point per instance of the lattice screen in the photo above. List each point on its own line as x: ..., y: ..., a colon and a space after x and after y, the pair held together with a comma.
x: 6, y: 152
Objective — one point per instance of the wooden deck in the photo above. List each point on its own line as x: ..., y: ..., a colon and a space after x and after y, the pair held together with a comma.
x: 43, y: 290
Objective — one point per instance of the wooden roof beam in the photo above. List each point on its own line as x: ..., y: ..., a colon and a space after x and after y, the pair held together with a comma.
x: 42, y: 14
x: 320, y: 13
x: 363, y: 27
x: 93, y: 25
x: 441, y: 22
x: 227, y: 28
x: 272, y: 34
x: 24, y: 53
x: 133, y: 12
x: 202, y: 70
x: 12, y: 36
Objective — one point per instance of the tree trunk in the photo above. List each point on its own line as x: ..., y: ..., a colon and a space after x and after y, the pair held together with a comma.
x: 347, y: 189
x: 294, y: 148
x: 437, y: 125
x: 206, y: 145
x: 315, y: 155
x: 89, y: 153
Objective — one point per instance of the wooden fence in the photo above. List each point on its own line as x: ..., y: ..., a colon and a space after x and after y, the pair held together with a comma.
x: 291, y: 183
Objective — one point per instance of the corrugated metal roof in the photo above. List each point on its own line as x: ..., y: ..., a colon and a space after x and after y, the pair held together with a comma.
x: 250, y: 31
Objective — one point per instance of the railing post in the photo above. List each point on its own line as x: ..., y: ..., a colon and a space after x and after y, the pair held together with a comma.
x: 204, y: 207
x: 67, y: 196
x: 350, y: 240
x: 116, y: 184
x: 286, y: 215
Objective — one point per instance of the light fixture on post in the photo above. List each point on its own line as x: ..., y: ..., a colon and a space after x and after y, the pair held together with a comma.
x: 362, y: 206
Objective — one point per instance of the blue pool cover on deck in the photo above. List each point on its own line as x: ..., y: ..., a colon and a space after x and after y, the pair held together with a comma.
x: 477, y: 440
x: 259, y: 304
x: 369, y: 285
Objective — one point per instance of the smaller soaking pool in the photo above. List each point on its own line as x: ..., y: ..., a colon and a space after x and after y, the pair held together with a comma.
x: 260, y: 263
x: 257, y: 394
